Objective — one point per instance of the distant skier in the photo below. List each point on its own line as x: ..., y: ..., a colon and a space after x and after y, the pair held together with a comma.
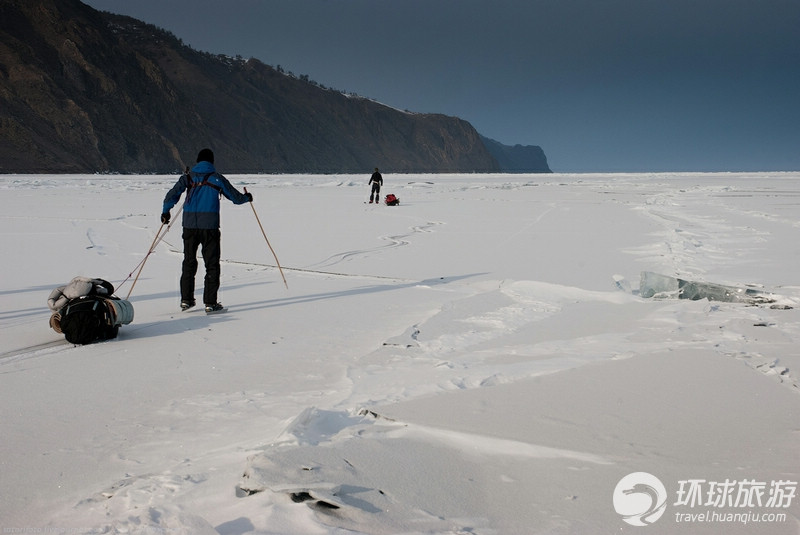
x: 377, y: 181
x: 204, y: 187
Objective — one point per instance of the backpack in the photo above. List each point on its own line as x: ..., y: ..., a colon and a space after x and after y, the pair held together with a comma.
x: 392, y: 200
x: 86, y: 319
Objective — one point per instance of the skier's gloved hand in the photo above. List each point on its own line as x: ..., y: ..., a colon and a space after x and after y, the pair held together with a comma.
x: 165, y: 217
x: 249, y: 196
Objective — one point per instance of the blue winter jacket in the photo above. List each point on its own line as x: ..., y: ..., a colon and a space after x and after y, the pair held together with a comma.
x: 204, y: 187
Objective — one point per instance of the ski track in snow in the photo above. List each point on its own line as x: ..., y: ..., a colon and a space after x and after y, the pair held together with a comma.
x: 693, y: 238
x: 399, y: 240
x: 482, y: 334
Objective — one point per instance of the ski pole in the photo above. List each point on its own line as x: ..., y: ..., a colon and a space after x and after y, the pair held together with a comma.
x: 268, y: 244
x: 156, y: 241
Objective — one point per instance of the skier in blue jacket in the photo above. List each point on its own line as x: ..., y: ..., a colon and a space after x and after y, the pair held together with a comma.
x: 204, y: 187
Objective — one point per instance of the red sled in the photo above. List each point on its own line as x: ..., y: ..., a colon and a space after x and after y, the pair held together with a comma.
x: 392, y: 200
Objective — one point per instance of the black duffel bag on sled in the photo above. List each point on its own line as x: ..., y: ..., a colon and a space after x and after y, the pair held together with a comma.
x: 85, y: 311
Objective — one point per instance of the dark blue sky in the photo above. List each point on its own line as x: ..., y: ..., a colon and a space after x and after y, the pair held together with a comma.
x: 600, y: 85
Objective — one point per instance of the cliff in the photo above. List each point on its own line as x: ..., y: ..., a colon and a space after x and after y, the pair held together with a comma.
x: 88, y: 91
x: 517, y: 158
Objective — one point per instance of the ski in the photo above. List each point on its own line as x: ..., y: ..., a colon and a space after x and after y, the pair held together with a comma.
x: 207, y: 309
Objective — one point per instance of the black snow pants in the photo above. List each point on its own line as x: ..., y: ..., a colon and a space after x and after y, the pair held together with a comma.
x: 209, y: 240
x: 376, y: 191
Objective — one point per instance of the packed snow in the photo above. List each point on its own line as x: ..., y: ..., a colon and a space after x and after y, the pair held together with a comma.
x: 478, y: 359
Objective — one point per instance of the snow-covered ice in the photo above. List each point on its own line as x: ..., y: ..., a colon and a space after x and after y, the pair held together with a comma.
x: 477, y: 359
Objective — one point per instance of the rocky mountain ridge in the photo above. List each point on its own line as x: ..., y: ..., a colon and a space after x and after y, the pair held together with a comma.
x: 89, y: 91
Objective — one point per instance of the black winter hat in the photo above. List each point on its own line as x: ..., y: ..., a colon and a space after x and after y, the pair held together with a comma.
x: 206, y: 155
